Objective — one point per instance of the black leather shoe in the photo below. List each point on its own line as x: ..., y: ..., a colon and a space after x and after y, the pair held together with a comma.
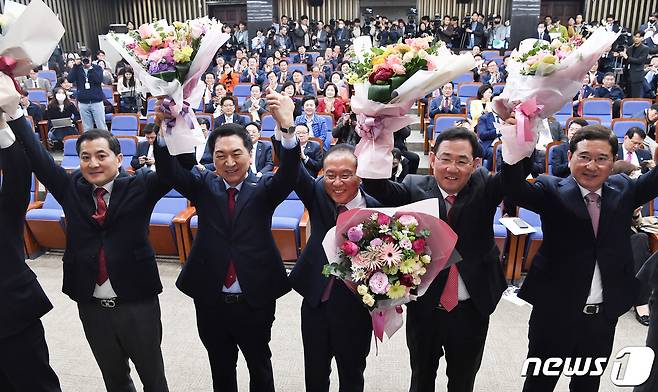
x: 644, y: 320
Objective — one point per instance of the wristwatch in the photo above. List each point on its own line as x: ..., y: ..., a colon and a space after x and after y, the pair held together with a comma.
x: 289, y: 131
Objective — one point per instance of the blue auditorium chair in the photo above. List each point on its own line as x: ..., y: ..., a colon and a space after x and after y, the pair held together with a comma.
x: 70, y: 160
x: 162, y: 230
x: 598, y: 107
x: 125, y: 124
x: 46, y: 225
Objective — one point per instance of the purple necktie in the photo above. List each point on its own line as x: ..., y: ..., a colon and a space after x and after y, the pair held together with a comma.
x: 594, y: 208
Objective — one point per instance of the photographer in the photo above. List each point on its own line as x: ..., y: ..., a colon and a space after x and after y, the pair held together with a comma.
x: 474, y: 31
x: 88, y: 78
x: 283, y: 43
x: 320, y: 37
x: 636, y: 56
x: 457, y: 32
x: 497, y: 34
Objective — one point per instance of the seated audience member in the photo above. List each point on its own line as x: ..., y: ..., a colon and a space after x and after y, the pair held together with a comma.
x: 650, y: 115
x: 144, y: 159
x: 480, y: 68
x: 218, y: 66
x: 316, y: 125
x: 316, y: 79
x: 345, y: 130
x: 34, y: 81
x: 209, y: 79
x: 541, y: 33
x: 229, y: 78
x: 331, y: 103
x: 272, y: 82
x: 215, y: 105
x: 32, y: 109
x: 68, y: 88
x: 560, y: 156
x: 261, y: 153
x: 301, y: 88
x: 128, y: 89
x: 493, y: 74
x: 302, y: 57
x: 399, y: 142
x: 607, y: 60
x: 343, y: 87
x: 586, y: 91
x: 482, y: 103
x: 284, y: 74
x: 199, y: 150
x: 650, y: 78
x: 325, y: 69
x: 609, y: 89
x: 228, y: 114
x: 311, y: 152
x: 289, y: 89
x: 555, y: 129
x: 446, y: 103
x: 487, y: 134
x: 255, y: 104
x: 595, y: 76
x: 60, y: 107
x: 632, y: 150
x: 252, y: 74
x: 400, y: 166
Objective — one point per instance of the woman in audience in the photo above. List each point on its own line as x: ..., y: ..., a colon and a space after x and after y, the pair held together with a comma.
x: 315, y: 124
x: 60, y: 107
x: 341, y: 84
x: 219, y: 92
x: 218, y: 67
x: 571, y: 27
x: 345, y: 70
x: 482, y: 103
x: 68, y: 88
x: 289, y: 89
x: 127, y: 87
x: 331, y: 104
x: 586, y: 91
x: 229, y: 77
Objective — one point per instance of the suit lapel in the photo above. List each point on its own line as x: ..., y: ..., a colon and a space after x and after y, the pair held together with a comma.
x: 118, y: 192
x: 609, y: 200
x: 432, y: 190
x: 85, y: 193
x: 245, y: 193
x: 573, y: 198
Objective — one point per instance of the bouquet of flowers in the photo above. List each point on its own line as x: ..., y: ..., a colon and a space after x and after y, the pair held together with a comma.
x: 29, y: 36
x: 543, y: 77
x: 387, y: 81
x: 389, y: 257
x: 169, y: 59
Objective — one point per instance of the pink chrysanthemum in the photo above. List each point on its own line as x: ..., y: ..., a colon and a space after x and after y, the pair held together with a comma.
x: 390, y: 254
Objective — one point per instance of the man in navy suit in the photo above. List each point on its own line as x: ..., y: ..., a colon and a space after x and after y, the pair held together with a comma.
x: 261, y: 161
x: 468, y: 197
x: 235, y: 289
x: 487, y: 133
x: 311, y: 151
x: 24, y: 359
x: 284, y: 75
x: 301, y: 87
x: 109, y: 264
x: 252, y: 74
x: 582, y: 278
x: 560, y: 153
x: 228, y: 113
x: 315, y: 78
x: 541, y: 32
x: 302, y: 57
x: 335, y: 323
x: 610, y: 90
x: 447, y: 103
x: 632, y: 150
x: 144, y: 158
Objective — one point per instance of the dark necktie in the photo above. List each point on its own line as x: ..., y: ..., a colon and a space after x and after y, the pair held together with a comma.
x: 327, y: 289
x: 99, y: 216
x: 449, y: 297
x: 446, y: 104
x: 231, y: 276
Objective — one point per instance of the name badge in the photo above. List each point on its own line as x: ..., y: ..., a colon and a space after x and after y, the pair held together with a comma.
x: 87, y: 86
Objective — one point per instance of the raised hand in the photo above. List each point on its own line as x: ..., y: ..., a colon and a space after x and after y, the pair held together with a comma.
x: 282, y: 108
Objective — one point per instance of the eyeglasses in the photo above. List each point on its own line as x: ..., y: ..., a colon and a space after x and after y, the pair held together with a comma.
x: 599, y: 161
x: 459, y: 163
x: 343, y: 177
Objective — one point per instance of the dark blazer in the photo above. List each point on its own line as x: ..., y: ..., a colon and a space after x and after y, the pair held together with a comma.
x: 236, y: 119
x: 264, y: 162
x: 472, y: 220
x: 560, y: 160
x: 314, y: 153
x: 637, y: 57
x: 37, y: 112
x: 321, y: 80
x: 642, y: 155
x: 588, y: 92
x: 545, y: 36
x: 246, y: 105
x: 307, y: 89
x: 615, y: 93
x: 478, y: 33
x: 486, y: 130
x: 22, y: 300
x: 142, y: 150
x: 436, y: 106
x: 259, y: 79
x: 306, y: 277
x: 561, y: 272
x: 130, y: 258
x: 247, y: 241
x: 305, y: 59
x: 486, y: 78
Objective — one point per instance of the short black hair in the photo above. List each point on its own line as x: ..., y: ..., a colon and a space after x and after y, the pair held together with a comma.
x: 226, y: 130
x: 482, y: 89
x: 459, y: 133
x: 654, y: 107
x: 632, y: 131
x: 204, y: 120
x: 94, y: 134
x: 283, y: 61
x: 309, y: 98
x: 297, y: 71
x: 340, y: 148
x: 579, y: 121
x: 226, y: 98
x: 608, y: 74
x: 286, y: 84
x: 150, y: 128
x: 254, y: 123
x: 594, y: 132
x: 303, y: 125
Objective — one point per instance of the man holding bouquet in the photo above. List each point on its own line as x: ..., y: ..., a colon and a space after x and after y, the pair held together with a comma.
x: 452, y: 317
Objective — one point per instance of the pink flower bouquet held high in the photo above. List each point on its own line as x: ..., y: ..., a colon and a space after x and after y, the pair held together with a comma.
x: 387, y: 82
x: 542, y: 78
x: 389, y: 257
x: 169, y: 60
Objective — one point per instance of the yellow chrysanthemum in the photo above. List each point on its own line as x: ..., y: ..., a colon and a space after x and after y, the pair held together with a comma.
x: 396, y: 291
x: 368, y: 300
x: 381, y: 59
x: 179, y: 25
x: 183, y: 55
x: 407, y: 266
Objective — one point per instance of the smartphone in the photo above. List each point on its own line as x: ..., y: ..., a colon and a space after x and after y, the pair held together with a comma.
x: 520, y: 223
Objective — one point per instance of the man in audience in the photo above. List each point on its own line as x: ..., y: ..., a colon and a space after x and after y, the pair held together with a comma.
x: 335, y: 324
x: 650, y: 115
x: 109, y: 264
x: 254, y: 105
x: 608, y: 60
x: 301, y: 36
x: 284, y: 75
x: 34, y: 81
x: 610, y: 90
x: 88, y: 78
x: 235, y: 289
x: 632, y: 150
x: 447, y: 103
x: 595, y: 76
x: 32, y: 109
x: 144, y: 159
x: 487, y: 133
x: 474, y: 32
x: 452, y: 317
x: 559, y: 29
x: 302, y: 57
x: 311, y: 151
x: 316, y: 79
x: 261, y: 152
x: 228, y: 113
x: 636, y: 56
x: 560, y: 153
x: 582, y: 278
x: 650, y: 78
x: 493, y: 75
x: 24, y: 360
x: 252, y: 74
x: 400, y: 166
x: 282, y: 40
x: 301, y: 87
x: 321, y: 37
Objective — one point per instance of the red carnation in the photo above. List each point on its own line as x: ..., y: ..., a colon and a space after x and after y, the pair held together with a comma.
x: 418, y: 245
x: 381, y: 74
x: 407, y: 280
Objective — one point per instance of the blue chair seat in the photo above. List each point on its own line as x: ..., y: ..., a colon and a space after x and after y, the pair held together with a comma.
x: 283, y: 222
x: 44, y: 214
x: 499, y: 230
x: 160, y: 218
x: 194, y: 222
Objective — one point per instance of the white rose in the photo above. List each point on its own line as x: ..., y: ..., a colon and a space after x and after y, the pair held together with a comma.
x: 422, y: 54
x: 408, y: 57
x: 368, y: 300
x: 426, y: 259
x: 362, y: 289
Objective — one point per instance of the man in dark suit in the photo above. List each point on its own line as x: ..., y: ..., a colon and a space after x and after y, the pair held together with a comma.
x: 541, y: 32
x: 582, y: 278
x: 636, y: 56
x: 228, y: 115
x: 475, y: 32
x: 447, y: 103
x: 560, y: 153
x: 301, y: 87
x: 468, y: 197
x: 252, y: 74
x: 235, y: 289
x: 144, y: 158
x: 32, y: 109
x: 610, y: 90
x: 315, y: 78
x: 488, y: 133
x: 109, y: 264
x: 24, y: 359
x: 632, y: 150
x: 648, y: 275
x: 311, y: 151
x: 254, y: 105
x: 302, y: 57
x: 335, y: 323
x: 261, y: 161
x: 284, y: 75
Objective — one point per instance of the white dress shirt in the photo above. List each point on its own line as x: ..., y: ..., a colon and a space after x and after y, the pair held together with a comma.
x: 462, y: 291
x: 105, y: 290
x: 358, y: 202
x: 596, y: 288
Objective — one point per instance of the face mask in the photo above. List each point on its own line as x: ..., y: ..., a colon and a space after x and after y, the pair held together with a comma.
x: 60, y: 97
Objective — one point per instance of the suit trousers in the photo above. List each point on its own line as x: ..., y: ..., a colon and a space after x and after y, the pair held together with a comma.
x: 552, y: 334
x: 24, y: 362
x: 339, y: 328
x: 224, y: 328
x: 131, y: 330
x: 651, y: 384
x: 460, y: 335
x: 641, y: 252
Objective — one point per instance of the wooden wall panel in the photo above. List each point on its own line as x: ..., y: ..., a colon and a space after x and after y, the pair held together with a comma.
x: 630, y: 13
x: 330, y: 9
x: 452, y: 8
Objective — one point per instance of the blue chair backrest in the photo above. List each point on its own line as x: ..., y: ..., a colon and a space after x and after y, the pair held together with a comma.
x: 621, y: 127
x: 50, y: 75
x: 246, y: 118
x: 630, y: 108
x: 463, y: 78
x: 596, y: 108
x: 128, y: 147
x: 298, y: 67
x: 108, y: 93
x: 445, y: 122
x: 490, y: 54
x: 329, y: 120
x: 150, y: 105
x: 125, y: 123
x: 549, y: 159
x: 40, y: 96
x: 242, y: 90
x: 50, y: 203
x: 170, y: 205
x: 267, y: 133
x: 530, y: 217
x: 466, y: 90
x: 497, y: 215
x: 292, y: 196
x: 33, y: 187
x: 268, y: 123
x: 290, y: 209
x: 314, y: 55
x: 498, y: 88
x: 69, y: 147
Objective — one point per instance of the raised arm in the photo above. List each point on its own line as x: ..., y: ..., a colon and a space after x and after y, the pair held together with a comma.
x: 389, y: 193
x: 515, y: 186
x: 16, y: 179
x: 646, y: 187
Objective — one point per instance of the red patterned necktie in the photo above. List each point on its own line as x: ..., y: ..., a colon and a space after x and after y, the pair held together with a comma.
x: 99, y: 216
x: 327, y: 289
x: 231, y: 276
x: 449, y: 297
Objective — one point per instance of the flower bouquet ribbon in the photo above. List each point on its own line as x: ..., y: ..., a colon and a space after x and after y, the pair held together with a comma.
x: 29, y: 36
x: 389, y: 257
x: 169, y: 59
x: 387, y: 82
x: 542, y: 78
